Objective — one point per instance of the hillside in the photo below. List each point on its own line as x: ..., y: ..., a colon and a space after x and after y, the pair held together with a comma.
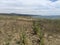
x: 17, y: 31
x: 51, y: 30
x: 24, y: 30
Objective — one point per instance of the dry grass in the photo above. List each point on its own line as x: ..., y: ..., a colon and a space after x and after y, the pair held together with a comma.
x: 17, y: 31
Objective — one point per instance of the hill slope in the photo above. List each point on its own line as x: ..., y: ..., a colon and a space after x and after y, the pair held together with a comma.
x: 21, y: 30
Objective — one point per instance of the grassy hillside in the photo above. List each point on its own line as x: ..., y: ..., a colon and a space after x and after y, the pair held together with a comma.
x: 51, y: 30
x: 23, y: 30
x: 16, y: 30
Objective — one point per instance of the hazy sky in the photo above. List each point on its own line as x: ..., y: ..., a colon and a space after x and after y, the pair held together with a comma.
x: 39, y: 7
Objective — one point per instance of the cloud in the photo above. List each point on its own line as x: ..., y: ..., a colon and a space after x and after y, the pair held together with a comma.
x: 30, y: 6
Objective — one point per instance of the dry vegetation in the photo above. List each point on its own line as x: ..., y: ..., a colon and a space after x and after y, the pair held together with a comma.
x: 19, y: 31
x: 16, y: 30
x: 51, y: 30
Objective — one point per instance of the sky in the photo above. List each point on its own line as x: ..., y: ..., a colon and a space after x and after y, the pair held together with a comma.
x: 36, y: 7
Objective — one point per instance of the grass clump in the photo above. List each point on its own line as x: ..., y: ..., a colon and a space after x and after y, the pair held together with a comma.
x: 37, y: 30
x: 7, y: 44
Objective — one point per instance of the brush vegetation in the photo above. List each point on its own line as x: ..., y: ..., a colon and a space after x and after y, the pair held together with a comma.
x: 21, y: 30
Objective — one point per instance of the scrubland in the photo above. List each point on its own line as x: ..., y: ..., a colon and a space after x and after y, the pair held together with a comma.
x: 20, y: 30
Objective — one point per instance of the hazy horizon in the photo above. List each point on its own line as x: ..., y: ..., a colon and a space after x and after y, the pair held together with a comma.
x: 36, y: 7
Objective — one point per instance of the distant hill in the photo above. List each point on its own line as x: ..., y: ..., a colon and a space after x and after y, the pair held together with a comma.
x: 15, y: 14
x: 34, y: 16
x: 48, y: 17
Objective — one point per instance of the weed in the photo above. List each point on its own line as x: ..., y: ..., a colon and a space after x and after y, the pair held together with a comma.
x: 7, y: 43
x: 38, y: 31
